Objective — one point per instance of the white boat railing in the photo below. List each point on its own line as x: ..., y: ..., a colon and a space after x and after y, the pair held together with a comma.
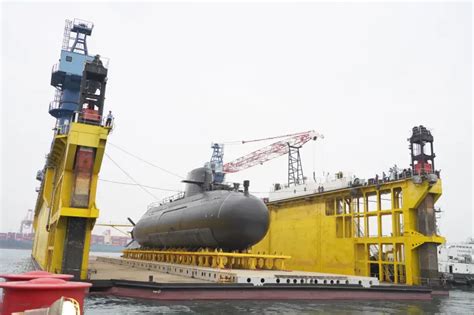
x: 166, y: 200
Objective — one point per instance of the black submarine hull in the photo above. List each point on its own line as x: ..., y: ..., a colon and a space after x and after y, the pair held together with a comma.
x: 230, y: 220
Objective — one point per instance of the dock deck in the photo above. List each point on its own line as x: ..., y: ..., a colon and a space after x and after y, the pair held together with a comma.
x: 164, y: 281
x: 101, y: 269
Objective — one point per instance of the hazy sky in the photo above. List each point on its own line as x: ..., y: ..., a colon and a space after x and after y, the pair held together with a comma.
x: 184, y: 75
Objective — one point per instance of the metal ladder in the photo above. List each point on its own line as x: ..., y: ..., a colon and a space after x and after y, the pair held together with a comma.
x: 67, y: 34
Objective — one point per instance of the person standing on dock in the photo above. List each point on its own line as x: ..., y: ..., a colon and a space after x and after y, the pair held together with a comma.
x: 110, y: 118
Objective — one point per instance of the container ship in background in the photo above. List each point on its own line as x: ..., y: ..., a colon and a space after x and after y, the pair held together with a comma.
x: 15, y: 240
x: 24, y: 239
x: 99, y: 243
x: 311, y: 239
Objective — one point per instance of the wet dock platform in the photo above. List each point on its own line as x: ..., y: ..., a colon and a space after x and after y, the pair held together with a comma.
x: 102, y: 268
x: 163, y: 281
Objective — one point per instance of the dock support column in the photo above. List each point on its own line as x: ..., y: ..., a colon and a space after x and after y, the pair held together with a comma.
x: 426, y: 225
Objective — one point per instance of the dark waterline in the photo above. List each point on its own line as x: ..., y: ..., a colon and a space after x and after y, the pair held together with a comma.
x: 459, y: 301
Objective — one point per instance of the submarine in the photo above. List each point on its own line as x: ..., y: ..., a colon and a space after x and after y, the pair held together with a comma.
x: 208, y: 215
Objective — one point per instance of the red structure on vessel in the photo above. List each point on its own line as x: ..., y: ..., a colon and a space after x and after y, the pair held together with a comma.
x: 19, y: 296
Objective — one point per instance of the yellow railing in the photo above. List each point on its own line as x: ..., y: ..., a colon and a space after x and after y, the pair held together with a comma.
x: 210, y: 258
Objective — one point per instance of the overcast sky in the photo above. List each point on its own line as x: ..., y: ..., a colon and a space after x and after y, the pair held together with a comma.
x: 184, y: 75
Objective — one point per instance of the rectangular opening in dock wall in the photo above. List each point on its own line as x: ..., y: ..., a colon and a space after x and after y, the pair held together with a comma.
x: 385, y: 200
x: 371, y: 201
x: 358, y: 204
x: 375, y: 270
x: 400, y: 253
x: 360, y: 226
x: 387, y: 253
x: 397, y: 198
x: 348, y: 209
x: 398, y: 223
x: 373, y: 226
x: 339, y: 206
x: 373, y: 252
x: 387, y: 225
x: 401, y: 274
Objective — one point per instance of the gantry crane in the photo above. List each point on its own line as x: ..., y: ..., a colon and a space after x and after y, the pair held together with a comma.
x: 290, y: 144
x: 27, y: 222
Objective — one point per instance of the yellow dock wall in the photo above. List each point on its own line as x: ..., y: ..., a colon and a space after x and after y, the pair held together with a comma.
x: 54, y: 205
x: 354, y: 231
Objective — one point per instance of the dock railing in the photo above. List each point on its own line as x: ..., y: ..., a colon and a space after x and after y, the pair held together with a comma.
x: 210, y: 258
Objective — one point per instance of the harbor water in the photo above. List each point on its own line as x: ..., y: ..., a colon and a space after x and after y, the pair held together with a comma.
x: 460, y: 301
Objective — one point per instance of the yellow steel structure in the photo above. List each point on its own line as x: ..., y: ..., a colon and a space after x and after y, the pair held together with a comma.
x: 210, y: 258
x: 54, y: 206
x: 386, y: 230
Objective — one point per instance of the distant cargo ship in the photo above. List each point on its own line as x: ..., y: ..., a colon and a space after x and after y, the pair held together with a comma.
x: 16, y: 244
x: 12, y: 240
x: 16, y: 240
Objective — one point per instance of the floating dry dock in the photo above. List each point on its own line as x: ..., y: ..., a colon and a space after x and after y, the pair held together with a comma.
x: 165, y: 281
x: 348, y: 238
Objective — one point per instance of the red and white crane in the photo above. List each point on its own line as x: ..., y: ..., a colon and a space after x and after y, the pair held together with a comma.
x: 289, y: 145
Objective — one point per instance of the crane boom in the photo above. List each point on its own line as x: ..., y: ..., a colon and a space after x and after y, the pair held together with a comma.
x: 270, y: 152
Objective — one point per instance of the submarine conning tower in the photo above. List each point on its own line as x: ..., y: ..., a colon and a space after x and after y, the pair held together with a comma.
x: 198, y: 180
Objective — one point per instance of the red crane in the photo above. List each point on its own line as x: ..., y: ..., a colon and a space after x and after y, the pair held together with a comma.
x: 290, y: 144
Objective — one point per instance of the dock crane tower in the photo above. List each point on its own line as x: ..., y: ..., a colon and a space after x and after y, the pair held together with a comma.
x: 289, y: 145
x: 65, y: 210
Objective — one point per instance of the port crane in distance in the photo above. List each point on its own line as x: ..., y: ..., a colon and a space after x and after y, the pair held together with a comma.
x: 27, y: 222
x: 290, y: 144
